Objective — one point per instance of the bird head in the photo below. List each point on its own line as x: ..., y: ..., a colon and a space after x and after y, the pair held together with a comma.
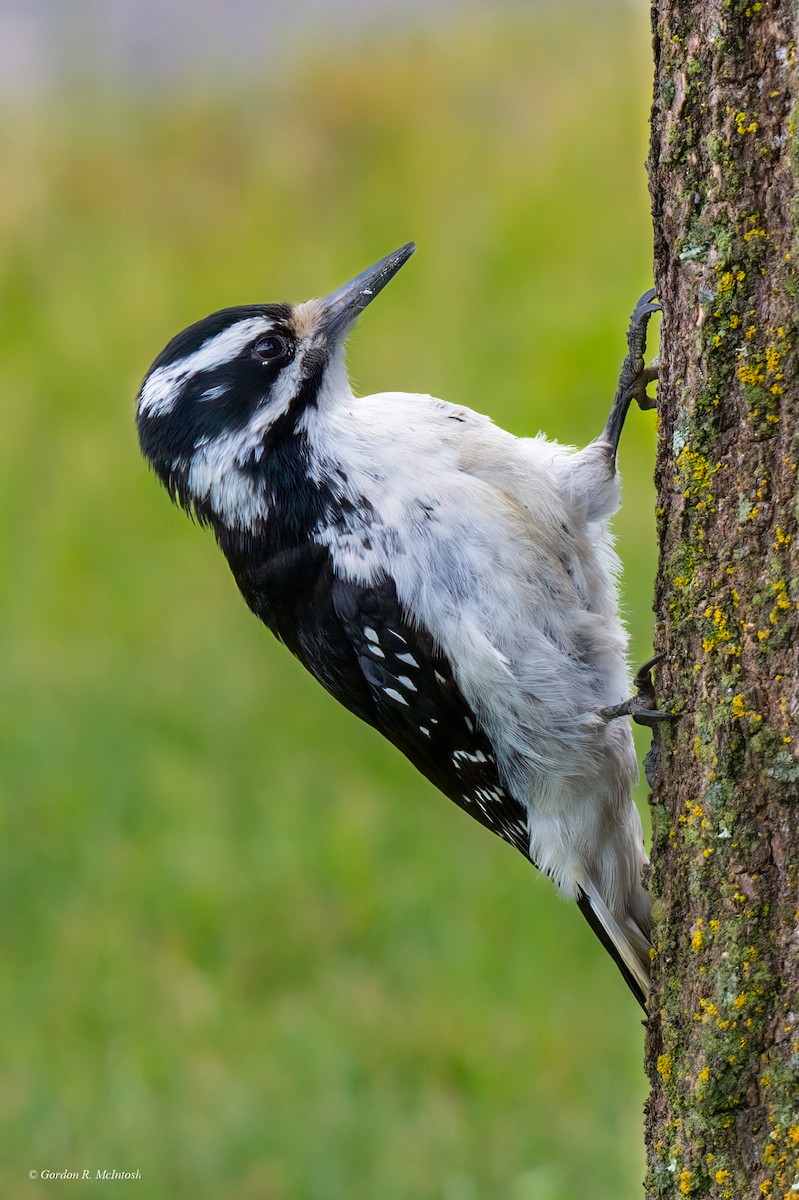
x: 230, y: 387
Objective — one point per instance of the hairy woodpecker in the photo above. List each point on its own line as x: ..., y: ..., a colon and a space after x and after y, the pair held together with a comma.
x: 450, y: 584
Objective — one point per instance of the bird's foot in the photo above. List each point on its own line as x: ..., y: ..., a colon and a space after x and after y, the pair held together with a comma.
x: 638, y: 390
x: 635, y: 376
x: 643, y: 706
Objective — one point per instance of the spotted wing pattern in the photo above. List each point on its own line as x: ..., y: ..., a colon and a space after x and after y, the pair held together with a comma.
x: 419, y: 707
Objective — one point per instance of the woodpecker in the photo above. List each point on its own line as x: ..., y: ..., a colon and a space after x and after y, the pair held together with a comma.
x: 450, y: 584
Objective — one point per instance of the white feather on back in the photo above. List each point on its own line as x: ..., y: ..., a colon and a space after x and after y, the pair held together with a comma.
x: 499, y: 547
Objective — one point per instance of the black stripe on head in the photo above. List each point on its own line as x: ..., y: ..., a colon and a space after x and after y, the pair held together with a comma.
x: 191, y: 339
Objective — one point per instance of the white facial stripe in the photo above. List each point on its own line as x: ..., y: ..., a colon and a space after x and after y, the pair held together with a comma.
x: 283, y: 393
x: 162, y: 387
x: 213, y: 393
x: 215, y: 472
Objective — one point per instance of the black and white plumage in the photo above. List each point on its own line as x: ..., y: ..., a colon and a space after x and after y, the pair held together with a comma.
x: 450, y: 584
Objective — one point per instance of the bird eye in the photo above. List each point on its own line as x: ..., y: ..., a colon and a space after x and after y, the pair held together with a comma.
x: 271, y: 348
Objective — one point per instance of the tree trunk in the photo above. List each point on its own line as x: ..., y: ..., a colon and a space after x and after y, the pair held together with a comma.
x: 723, y: 1037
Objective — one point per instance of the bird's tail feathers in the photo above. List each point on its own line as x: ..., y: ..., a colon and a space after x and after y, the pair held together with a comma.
x: 626, y: 940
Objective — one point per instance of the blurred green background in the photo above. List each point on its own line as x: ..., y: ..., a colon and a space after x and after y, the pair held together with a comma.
x: 246, y: 950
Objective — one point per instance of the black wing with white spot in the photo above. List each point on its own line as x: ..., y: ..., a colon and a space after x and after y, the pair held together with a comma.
x: 357, y: 641
x: 419, y: 707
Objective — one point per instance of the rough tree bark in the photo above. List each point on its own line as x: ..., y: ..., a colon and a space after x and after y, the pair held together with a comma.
x: 723, y: 1038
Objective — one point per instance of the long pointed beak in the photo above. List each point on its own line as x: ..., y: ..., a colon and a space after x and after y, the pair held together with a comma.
x: 343, y: 306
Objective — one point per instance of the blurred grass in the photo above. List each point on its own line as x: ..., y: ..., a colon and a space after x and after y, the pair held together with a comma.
x: 246, y: 949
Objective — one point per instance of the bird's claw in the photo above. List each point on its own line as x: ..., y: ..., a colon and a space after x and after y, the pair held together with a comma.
x: 646, y: 304
x: 642, y: 680
x: 635, y: 375
x: 643, y: 706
